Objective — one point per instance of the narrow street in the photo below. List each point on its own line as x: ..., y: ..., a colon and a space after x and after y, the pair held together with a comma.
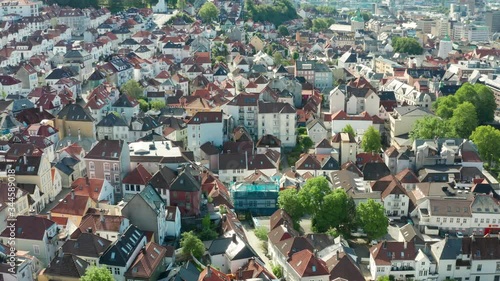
x: 256, y: 245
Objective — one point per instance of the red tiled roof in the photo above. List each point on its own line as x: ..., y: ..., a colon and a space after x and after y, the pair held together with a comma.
x: 88, y: 187
x: 138, y: 176
x: 306, y: 264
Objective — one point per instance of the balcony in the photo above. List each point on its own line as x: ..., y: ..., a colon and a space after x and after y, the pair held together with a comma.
x: 402, y: 268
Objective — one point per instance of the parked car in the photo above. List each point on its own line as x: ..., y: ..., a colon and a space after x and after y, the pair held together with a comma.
x: 460, y: 234
x: 392, y: 222
x: 409, y: 221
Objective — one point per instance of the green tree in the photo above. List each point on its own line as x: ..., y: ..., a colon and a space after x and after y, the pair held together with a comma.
x: 464, y: 120
x: 278, y: 12
x: 261, y: 233
x: 192, y: 245
x: 467, y: 93
x: 289, y: 201
x: 283, y: 30
x: 308, y: 23
x: 208, y: 12
x: 157, y: 104
x: 306, y: 142
x: 444, y: 106
x: 278, y: 58
x: 321, y: 24
x: 383, y: 278
x: 486, y: 105
x: 336, y: 212
x: 406, y: 45
x: 277, y: 270
x: 487, y: 140
x: 295, y: 56
x: 349, y: 129
x: 143, y: 105
x: 207, y: 229
x: 133, y: 89
x: 371, y: 217
x: 94, y: 273
x: 430, y: 127
x: 313, y: 193
x: 181, y: 5
x: 372, y: 141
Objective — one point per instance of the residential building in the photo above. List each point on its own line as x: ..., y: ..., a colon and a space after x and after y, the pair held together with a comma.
x: 66, y: 267
x: 200, y: 130
x: 185, y: 191
x: 173, y: 224
x: 127, y: 107
x: 23, y: 8
x: 243, y: 109
x: 74, y: 120
x: 16, y: 199
x: 401, y: 259
x: 112, y: 127
x: 279, y: 120
x: 315, y: 72
x: 109, y: 160
x: 72, y: 207
x: 259, y: 198
x: 99, y: 190
x: 230, y: 253
x: 36, y: 170
x: 147, y: 204
x: 316, y: 130
x: 402, y: 120
x: 152, y: 261
x: 36, y: 235
x: 108, y: 227
x: 121, y: 254
x: 136, y: 180
x: 88, y: 247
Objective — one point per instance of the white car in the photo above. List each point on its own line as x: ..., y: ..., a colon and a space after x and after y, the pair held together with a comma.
x: 460, y: 234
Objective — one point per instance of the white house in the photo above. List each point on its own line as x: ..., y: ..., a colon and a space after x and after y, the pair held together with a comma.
x: 204, y: 127
x: 316, y: 130
x: 278, y: 119
x: 173, y: 218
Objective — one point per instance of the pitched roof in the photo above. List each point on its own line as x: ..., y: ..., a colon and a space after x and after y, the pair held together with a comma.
x: 88, y: 187
x: 75, y: 112
x: 120, y: 251
x: 278, y: 218
x: 306, y: 264
x: 30, y: 228
x: 106, y: 149
x: 139, y: 175
x: 93, y: 221
x: 387, y: 251
x: 147, y: 261
x: 275, y: 107
x: 68, y: 266
x: 72, y: 205
x: 205, y: 117
x: 86, y: 245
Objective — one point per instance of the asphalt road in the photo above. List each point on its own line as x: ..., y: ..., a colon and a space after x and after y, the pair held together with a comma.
x: 160, y: 19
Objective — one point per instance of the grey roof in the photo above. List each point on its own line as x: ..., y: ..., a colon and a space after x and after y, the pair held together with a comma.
x: 122, y: 249
x: 187, y: 272
x: 21, y: 104
x: 219, y: 246
x: 447, y: 249
x: 69, y: 266
x: 75, y: 112
x: 185, y: 181
x: 152, y: 197
x: 275, y: 107
x: 111, y: 120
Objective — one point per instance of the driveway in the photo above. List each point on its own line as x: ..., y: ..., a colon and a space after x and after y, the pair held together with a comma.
x: 256, y: 244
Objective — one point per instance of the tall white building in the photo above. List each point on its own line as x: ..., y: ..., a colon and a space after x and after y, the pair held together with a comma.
x: 277, y: 119
x: 24, y: 8
x: 445, y: 47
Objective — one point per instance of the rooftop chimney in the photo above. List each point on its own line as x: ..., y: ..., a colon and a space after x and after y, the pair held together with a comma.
x: 89, y: 230
x: 405, y: 244
x: 234, y: 238
x: 338, y: 254
x: 79, y: 135
x: 87, y: 180
x: 41, y: 108
x: 101, y: 215
x: 315, y: 252
x: 32, y: 212
x: 209, y: 271
x: 49, y: 215
x: 72, y: 195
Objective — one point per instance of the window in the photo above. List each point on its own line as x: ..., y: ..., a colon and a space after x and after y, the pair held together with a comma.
x: 91, y: 166
x: 36, y: 249
x: 127, y: 187
x: 174, y: 194
x: 438, y: 219
x: 106, y: 166
x: 117, y: 178
x: 110, y: 270
x: 479, y: 267
x: 107, y: 177
x: 448, y: 268
x: 478, y: 278
x: 497, y: 278
x: 115, y: 167
x: 117, y: 271
x: 451, y: 220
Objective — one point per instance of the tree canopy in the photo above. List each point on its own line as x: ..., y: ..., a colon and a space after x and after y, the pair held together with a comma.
x: 371, y: 217
x: 430, y: 127
x: 277, y: 13
x: 208, y: 12
x: 75, y: 4
x: 321, y: 24
x: 349, y: 129
x: 191, y: 244
x: 289, y: 201
x: 372, y: 141
x: 157, y: 104
x: 313, y: 193
x: 95, y: 273
x: 133, y: 89
x: 464, y: 119
x: 487, y: 140
x: 283, y: 30
x: 406, y: 45
x: 480, y: 96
